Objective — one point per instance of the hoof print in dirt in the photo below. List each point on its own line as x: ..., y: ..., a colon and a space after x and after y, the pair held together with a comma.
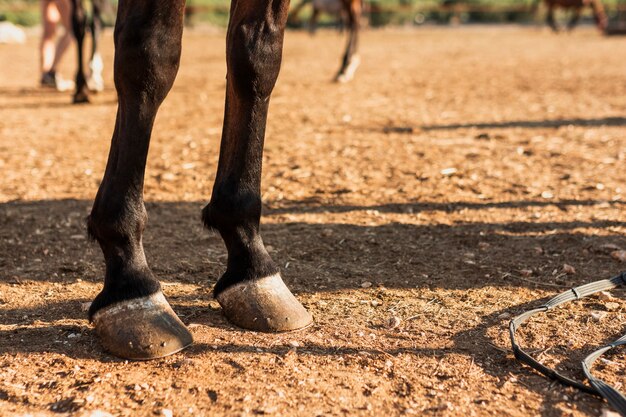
x: 264, y: 305
x: 141, y: 329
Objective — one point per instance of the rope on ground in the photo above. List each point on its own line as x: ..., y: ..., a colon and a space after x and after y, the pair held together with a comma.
x: 596, y: 386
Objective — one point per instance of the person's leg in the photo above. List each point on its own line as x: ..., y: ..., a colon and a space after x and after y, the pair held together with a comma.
x: 65, y: 13
x: 49, y: 17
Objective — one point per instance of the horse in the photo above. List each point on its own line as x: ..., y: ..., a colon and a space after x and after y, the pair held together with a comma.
x: 576, y: 6
x: 333, y: 8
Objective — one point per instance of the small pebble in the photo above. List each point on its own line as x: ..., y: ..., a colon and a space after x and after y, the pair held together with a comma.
x: 606, y: 296
x: 96, y: 413
x: 619, y: 255
x: 166, y: 412
x: 393, y: 322
x: 366, y: 284
x: 609, y: 247
x: 608, y: 413
x: 526, y: 272
x: 448, y: 171
x: 568, y: 269
x: 598, y: 315
x: 611, y: 306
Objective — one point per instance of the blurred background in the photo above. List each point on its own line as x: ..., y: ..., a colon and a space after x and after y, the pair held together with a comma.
x: 377, y: 12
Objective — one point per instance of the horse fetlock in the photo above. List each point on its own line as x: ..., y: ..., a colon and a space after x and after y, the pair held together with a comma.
x: 119, y: 224
x: 230, y: 209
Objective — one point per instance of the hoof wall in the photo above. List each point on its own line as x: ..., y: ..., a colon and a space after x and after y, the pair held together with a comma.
x: 141, y: 329
x: 80, y: 100
x: 264, y: 305
x: 347, y: 74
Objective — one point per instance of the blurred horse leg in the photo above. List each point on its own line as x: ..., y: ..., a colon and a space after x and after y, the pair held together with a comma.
x: 79, y: 24
x: 95, y: 80
x: 315, y: 15
x: 599, y: 14
x: 575, y: 18
x: 351, y: 59
x: 550, y: 20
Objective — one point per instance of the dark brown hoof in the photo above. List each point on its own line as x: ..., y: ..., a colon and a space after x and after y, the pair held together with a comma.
x: 141, y: 329
x: 80, y: 98
x: 264, y: 305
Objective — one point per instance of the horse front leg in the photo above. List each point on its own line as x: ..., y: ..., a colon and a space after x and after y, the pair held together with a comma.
x: 351, y: 59
x: 131, y: 315
x: 251, y: 291
x: 79, y: 24
x: 315, y: 15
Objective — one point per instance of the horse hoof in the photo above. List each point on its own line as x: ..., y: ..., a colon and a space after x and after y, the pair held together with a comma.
x: 80, y: 98
x: 141, y: 328
x: 347, y: 74
x: 264, y: 305
x: 95, y: 85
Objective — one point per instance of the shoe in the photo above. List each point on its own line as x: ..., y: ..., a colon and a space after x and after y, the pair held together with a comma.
x: 53, y: 80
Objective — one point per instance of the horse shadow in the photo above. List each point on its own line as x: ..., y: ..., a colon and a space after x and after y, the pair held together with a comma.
x: 509, y: 124
x: 44, y: 242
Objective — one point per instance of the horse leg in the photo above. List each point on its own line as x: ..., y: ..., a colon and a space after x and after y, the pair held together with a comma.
x: 131, y: 315
x: 550, y: 20
x: 293, y: 18
x: 315, y: 14
x: 574, y: 19
x: 599, y: 14
x: 351, y: 59
x: 79, y: 23
x: 251, y: 291
x: 95, y: 81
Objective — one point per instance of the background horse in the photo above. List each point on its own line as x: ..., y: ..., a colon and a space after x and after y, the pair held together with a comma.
x: 576, y: 7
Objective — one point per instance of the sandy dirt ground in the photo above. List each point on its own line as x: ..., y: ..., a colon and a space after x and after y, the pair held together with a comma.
x: 413, y: 211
